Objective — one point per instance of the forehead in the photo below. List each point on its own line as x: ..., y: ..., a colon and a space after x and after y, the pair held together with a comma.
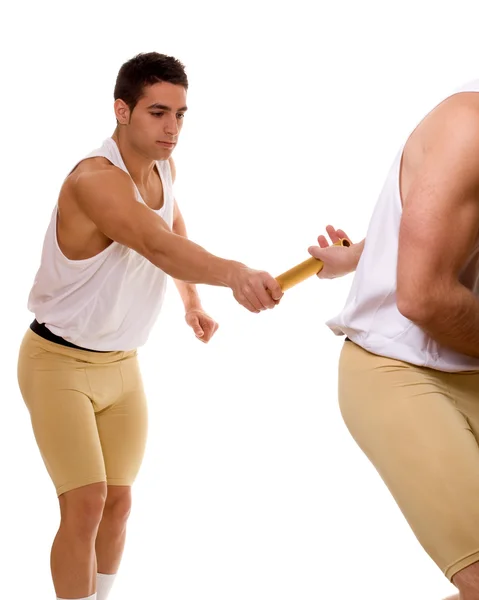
x: 168, y: 94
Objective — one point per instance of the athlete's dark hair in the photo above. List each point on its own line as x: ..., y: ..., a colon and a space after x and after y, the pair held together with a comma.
x: 144, y: 70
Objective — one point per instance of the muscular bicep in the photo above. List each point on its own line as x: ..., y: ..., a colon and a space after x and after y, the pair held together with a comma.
x: 440, y: 219
x: 107, y: 198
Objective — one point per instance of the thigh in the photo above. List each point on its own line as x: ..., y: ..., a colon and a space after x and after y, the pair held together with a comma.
x: 55, y: 391
x: 404, y: 420
x: 464, y: 390
x: 123, y: 427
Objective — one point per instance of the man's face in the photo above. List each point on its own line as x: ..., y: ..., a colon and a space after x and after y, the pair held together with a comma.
x: 155, y: 123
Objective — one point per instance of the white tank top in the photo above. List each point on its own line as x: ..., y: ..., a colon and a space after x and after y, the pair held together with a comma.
x: 110, y: 301
x: 370, y: 316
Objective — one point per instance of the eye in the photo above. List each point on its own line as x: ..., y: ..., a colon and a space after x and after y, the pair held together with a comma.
x: 180, y: 116
x: 157, y: 114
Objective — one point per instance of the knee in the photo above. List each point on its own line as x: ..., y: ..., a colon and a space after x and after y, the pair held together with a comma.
x: 82, y: 509
x: 118, y: 505
x: 467, y: 582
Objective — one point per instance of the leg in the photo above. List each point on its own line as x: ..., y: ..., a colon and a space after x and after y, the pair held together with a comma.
x: 54, y: 384
x: 73, y: 561
x: 408, y: 423
x: 110, y: 540
x: 467, y: 580
x: 122, y: 429
x: 64, y: 425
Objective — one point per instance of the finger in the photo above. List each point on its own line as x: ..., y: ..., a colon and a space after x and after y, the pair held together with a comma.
x: 317, y: 252
x: 333, y: 234
x: 205, y: 338
x: 208, y: 329
x: 251, y: 294
x: 343, y: 235
x: 213, y: 330
x: 264, y: 296
x: 244, y: 301
x: 197, y: 328
x: 322, y: 241
x: 274, y: 289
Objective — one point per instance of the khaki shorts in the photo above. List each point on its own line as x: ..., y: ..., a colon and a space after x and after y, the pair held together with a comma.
x: 88, y: 412
x: 419, y: 428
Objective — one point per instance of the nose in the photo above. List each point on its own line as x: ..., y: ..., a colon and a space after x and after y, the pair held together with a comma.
x: 171, y: 125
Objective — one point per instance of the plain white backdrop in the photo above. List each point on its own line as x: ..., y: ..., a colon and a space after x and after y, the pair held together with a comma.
x: 251, y: 487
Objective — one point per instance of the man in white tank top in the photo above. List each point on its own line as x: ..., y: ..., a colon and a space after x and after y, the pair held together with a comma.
x: 115, y: 234
x: 409, y: 367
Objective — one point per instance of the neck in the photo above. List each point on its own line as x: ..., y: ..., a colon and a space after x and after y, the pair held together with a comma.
x: 139, y: 166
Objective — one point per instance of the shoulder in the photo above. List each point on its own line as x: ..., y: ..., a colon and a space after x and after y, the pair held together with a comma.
x: 447, y: 139
x: 455, y: 120
x: 98, y: 176
x: 98, y: 171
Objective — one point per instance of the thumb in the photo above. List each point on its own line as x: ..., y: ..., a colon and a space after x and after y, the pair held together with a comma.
x: 196, y: 325
x: 317, y: 252
x: 274, y: 288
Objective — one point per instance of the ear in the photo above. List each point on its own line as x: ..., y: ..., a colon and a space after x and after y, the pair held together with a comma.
x: 122, y: 112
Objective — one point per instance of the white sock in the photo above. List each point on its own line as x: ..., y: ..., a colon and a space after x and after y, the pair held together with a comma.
x: 103, y: 585
x: 89, y: 598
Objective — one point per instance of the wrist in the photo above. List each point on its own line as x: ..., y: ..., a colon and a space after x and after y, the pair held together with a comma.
x: 191, y: 299
x: 226, y: 271
x: 192, y: 306
x: 357, y: 250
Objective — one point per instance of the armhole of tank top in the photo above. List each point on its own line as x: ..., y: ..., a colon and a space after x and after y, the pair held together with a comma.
x: 82, y: 261
x: 99, y: 155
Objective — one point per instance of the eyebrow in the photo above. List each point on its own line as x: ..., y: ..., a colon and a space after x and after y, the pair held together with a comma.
x: 168, y: 108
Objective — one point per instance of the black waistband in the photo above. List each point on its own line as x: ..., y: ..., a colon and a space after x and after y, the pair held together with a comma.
x: 44, y: 332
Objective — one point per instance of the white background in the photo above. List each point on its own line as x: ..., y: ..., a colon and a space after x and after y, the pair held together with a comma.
x: 251, y: 488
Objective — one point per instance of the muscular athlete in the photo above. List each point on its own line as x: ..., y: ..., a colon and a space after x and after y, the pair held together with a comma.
x: 409, y: 367
x: 115, y: 234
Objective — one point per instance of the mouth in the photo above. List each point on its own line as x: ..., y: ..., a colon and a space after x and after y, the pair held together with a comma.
x: 166, y: 144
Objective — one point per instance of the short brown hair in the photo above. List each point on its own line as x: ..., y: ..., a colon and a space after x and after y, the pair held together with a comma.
x: 146, y: 69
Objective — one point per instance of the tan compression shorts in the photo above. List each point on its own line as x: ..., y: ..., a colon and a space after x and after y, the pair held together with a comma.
x: 419, y: 427
x: 88, y: 412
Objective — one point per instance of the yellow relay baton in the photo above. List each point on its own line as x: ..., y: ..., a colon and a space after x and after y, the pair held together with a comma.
x: 308, y: 268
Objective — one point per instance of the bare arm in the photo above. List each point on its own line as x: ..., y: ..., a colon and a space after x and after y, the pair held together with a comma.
x: 439, y: 227
x: 107, y: 197
x: 187, y: 291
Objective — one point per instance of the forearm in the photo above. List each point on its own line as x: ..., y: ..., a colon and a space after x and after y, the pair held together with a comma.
x: 189, y: 295
x: 452, y: 321
x: 188, y: 292
x: 189, y: 262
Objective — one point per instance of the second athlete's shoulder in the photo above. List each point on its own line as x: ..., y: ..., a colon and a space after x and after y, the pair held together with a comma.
x: 456, y: 117
x: 450, y: 131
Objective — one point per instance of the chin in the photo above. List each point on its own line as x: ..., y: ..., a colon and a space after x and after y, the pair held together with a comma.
x: 163, y: 153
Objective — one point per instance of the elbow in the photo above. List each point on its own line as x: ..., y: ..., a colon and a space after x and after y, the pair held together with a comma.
x: 157, y: 248
x: 419, y: 308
